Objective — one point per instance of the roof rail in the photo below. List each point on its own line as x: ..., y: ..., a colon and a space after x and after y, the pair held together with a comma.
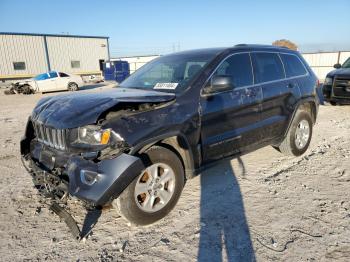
x: 241, y: 45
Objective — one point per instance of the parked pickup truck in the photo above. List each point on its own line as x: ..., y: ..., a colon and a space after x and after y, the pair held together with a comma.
x: 135, y: 146
x: 336, y: 88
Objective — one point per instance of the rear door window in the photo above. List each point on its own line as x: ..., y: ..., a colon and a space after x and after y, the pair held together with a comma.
x: 267, y: 67
x: 239, y: 68
x: 293, y: 65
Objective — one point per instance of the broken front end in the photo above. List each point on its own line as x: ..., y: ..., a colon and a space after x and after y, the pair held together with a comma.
x: 89, y: 162
x: 19, y: 88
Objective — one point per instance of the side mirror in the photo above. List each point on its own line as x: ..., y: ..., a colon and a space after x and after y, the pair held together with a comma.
x: 337, y: 66
x: 219, y: 84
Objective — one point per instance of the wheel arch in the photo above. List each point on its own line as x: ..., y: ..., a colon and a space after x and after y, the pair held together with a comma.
x: 32, y: 88
x: 308, y: 104
x: 175, y: 142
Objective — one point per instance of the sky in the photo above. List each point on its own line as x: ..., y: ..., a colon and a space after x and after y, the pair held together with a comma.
x: 144, y: 27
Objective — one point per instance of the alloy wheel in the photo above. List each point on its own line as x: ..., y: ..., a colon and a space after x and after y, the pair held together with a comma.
x: 302, y: 134
x: 154, y: 187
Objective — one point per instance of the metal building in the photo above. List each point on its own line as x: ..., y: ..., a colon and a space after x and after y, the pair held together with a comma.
x: 24, y: 55
x: 135, y: 62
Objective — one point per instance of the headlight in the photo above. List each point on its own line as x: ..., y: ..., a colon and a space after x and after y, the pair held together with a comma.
x: 328, y: 81
x: 94, y: 135
x: 95, y: 139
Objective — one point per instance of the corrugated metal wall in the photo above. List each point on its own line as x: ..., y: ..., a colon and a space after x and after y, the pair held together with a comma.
x: 322, y: 63
x: 20, y: 48
x: 88, y: 51
x: 63, y: 50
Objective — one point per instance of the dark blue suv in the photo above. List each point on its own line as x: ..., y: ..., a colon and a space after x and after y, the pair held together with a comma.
x: 137, y: 144
x: 336, y: 88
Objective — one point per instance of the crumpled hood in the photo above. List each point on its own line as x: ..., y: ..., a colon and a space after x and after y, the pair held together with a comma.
x: 344, y: 72
x: 30, y: 81
x: 83, y: 108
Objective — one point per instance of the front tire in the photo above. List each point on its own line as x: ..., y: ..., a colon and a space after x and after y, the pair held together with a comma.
x: 27, y: 90
x: 154, y: 192
x: 299, y: 135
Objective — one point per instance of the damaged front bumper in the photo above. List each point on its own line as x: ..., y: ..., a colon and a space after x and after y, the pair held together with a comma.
x: 99, y: 183
x: 95, y: 182
x: 58, y: 174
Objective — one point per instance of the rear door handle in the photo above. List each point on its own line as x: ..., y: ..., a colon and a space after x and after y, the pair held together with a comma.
x: 250, y: 93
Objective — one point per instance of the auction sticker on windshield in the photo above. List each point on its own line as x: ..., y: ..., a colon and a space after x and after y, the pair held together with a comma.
x: 165, y: 85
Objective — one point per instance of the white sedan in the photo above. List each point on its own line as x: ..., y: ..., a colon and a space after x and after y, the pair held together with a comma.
x: 53, y: 81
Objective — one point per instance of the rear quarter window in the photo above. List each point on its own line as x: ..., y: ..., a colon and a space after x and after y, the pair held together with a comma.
x: 267, y: 67
x: 63, y: 74
x: 293, y: 65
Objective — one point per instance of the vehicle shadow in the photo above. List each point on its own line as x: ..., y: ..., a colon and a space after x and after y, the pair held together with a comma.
x: 224, y: 228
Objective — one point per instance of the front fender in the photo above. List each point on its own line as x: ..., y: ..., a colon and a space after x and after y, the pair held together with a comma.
x: 101, y: 182
x: 176, y: 140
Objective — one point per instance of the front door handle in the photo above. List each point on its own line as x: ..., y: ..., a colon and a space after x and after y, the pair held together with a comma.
x: 291, y: 85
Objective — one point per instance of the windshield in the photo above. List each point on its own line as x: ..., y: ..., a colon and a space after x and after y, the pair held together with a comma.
x: 171, y: 73
x: 41, y: 77
x: 346, y: 63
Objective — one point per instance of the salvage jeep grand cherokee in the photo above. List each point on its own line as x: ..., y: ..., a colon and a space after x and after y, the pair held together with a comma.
x: 137, y: 144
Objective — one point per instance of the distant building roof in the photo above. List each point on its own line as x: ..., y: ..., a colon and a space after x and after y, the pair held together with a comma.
x: 55, y: 35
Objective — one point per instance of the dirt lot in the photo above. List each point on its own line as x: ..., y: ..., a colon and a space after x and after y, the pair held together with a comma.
x: 263, y: 206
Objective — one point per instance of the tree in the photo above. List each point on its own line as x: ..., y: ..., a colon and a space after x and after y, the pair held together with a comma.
x: 285, y: 43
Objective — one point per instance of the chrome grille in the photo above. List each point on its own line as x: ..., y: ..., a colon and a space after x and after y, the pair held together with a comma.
x: 341, y: 88
x: 55, y: 138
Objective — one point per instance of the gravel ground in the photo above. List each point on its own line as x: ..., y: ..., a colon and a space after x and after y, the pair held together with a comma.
x: 263, y: 206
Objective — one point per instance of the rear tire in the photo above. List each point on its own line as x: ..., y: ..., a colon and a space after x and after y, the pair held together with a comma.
x: 150, y: 196
x: 333, y: 103
x: 73, y: 86
x: 299, y: 135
